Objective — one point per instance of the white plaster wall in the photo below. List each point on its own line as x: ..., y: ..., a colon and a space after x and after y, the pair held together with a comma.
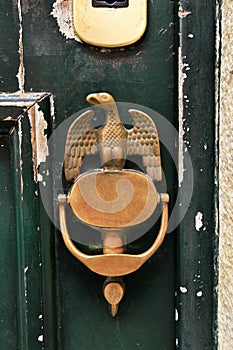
x: 225, y: 287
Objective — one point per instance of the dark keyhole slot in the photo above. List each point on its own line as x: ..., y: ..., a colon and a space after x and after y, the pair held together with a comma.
x: 110, y: 3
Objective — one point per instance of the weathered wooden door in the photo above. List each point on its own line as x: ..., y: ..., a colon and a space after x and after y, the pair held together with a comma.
x: 48, y: 299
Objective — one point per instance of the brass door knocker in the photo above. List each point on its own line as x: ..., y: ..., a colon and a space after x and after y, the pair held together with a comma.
x: 96, y: 196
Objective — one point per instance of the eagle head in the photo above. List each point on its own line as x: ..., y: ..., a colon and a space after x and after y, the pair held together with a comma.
x: 100, y: 98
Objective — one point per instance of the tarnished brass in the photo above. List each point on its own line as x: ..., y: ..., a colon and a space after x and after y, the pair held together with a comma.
x: 113, y: 264
x: 113, y: 198
x: 112, y: 141
x: 95, y: 201
x: 114, y: 290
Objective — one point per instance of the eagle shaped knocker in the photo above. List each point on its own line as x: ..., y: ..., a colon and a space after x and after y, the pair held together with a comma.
x: 112, y: 198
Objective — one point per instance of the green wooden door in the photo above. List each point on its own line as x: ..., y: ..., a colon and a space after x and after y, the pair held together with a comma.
x: 49, y: 300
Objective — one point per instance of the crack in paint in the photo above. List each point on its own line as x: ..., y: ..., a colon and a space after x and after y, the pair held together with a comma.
x: 199, y: 221
x: 182, y: 13
x: 21, y: 72
x: 182, y: 77
x: 38, y: 138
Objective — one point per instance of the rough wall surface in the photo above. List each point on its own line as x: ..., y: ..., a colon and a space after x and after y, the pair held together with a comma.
x: 225, y: 288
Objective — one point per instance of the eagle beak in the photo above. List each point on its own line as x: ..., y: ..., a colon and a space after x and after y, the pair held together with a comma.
x: 93, y: 99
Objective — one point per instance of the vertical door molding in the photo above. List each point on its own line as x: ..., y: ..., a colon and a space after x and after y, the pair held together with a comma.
x: 25, y: 121
x: 196, y: 304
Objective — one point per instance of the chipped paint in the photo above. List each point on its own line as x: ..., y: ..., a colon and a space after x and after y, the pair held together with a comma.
x: 9, y: 119
x: 38, y: 138
x: 25, y: 282
x: 182, y: 77
x: 62, y: 12
x: 21, y: 71
x: 183, y: 101
x: 162, y: 31
x: 21, y: 99
x: 183, y: 290
x: 52, y: 107
x: 199, y: 221
x: 29, y: 101
x: 176, y: 315
x: 40, y: 338
x: 39, y: 177
x: 182, y: 13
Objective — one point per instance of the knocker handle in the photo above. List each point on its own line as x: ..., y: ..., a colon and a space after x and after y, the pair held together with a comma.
x: 113, y: 265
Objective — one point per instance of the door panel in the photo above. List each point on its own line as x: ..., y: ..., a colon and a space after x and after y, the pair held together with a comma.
x: 8, y: 255
x: 63, y: 308
x: 143, y: 74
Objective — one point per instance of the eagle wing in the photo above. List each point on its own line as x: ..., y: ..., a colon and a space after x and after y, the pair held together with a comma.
x: 143, y: 139
x: 80, y: 141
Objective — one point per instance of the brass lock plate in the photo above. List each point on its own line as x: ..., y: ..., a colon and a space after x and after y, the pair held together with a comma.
x: 110, y: 23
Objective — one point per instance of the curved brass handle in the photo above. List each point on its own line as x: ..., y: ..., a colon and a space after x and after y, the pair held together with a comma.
x: 113, y: 264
